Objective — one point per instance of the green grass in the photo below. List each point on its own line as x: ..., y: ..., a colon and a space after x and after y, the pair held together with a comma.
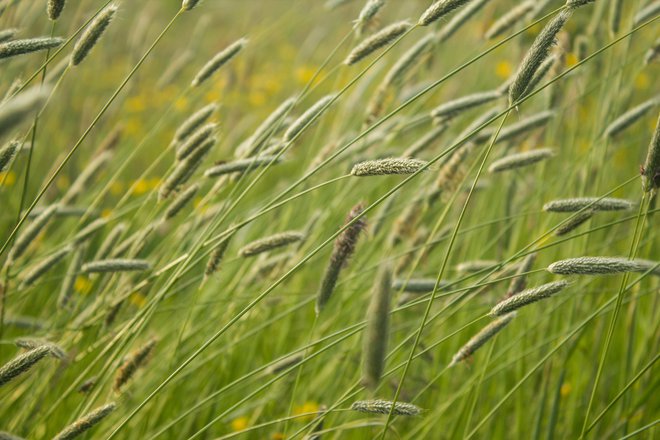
x: 581, y: 364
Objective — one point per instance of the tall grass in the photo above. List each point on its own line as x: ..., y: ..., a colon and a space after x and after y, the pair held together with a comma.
x: 164, y: 180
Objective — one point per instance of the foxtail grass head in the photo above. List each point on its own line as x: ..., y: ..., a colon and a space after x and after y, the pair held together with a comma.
x: 574, y: 4
x: 14, y: 48
x: 54, y: 8
x: 593, y: 203
x: 218, y: 61
x: 307, y: 118
x: 86, y: 422
x: 116, y: 265
x: 602, y: 266
x: 343, y: 249
x: 132, y: 363
x: 23, y: 363
x: 382, y: 167
x: 651, y: 168
x: 519, y: 160
x: 379, y: 406
x: 478, y: 340
x: 376, y: 41
x: 90, y: 37
x: 270, y: 243
x: 439, y: 9
x: 536, y: 55
x: 376, y: 332
x: 187, y: 5
x: 7, y: 153
x: 528, y: 296
x: 367, y: 14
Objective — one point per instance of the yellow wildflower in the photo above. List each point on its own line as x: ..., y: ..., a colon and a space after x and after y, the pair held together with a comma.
x: 8, y: 178
x: 138, y: 299
x: 140, y: 187
x: 503, y: 69
x: 306, y: 408
x: 642, y: 81
x: 239, y: 424
x: 82, y: 285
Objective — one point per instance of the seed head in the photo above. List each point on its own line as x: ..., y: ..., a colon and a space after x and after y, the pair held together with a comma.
x: 267, y: 127
x: 54, y: 9
x: 509, y: 19
x: 5, y: 35
x: 384, y: 407
x: 593, y: 203
x: 574, y: 222
x: 601, y: 266
x: 526, y: 297
x: 17, y: 108
x: 307, y: 118
x: 383, y: 167
x: 199, y: 137
x: 376, y: 41
x: 518, y: 283
x: 185, y: 169
x: 187, y: 5
x: 269, y: 243
x: 218, y: 61
x: 537, y: 53
x: 190, y: 125
x: 453, y: 108
x: 376, y: 332
x: 630, y: 117
x: 92, y: 34
x: 7, y: 153
x: 520, y: 160
x: 242, y: 165
x: 116, y: 265
x: 486, y: 333
x: 21, y: 47
x: 132, y: 363
x: 439, y: 9
x: 344, y: 248
x: 86, y: 422
x: 367, y: 14
x: 574, y: 4
x: 650, y: 10
x: 30, y: 233
x: 285, y: 363
x: 22, y: 363
x: 417, y: 285
x: 216, y: 257
x: 651, y: 168
x: 39, y: 269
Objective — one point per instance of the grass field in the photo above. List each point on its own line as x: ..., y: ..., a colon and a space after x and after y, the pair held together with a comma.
x: 341, y: 219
